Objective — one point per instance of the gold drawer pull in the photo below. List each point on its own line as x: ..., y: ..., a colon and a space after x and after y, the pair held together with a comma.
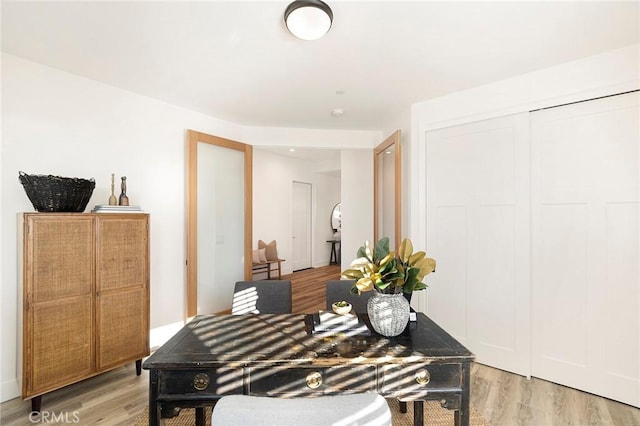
x: 201, y: 381
x: 314, y: 380
x: 422, y: 376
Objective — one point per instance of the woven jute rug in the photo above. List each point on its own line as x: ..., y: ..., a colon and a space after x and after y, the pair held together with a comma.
x: 434, y: 415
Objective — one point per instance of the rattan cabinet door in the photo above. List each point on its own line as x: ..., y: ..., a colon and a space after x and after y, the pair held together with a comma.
x: 122, y: 284
x: 58, y: 279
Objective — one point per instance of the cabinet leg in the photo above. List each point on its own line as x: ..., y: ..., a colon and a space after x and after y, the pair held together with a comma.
x: 36, y: 403
x: 138, y: 367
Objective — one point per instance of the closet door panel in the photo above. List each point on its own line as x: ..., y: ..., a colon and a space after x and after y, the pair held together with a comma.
x: 492, y: 264
x: 585, y: 280
x: 477, y: 180
x: 449, y: 242
x: 561, y: 317
x: 621, y: 288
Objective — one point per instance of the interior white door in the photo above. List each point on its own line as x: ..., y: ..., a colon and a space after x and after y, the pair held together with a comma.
x: 585, y: 281
x: 221, y: 225
x: 478, y: 230
x: 301, y: 218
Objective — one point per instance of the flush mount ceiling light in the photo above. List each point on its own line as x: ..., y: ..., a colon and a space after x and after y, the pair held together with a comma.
x: 308, y: 19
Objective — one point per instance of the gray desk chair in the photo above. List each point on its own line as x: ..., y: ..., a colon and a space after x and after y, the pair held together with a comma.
x: 262, y: 297
x: 338, y: 290
x: 352, y: 409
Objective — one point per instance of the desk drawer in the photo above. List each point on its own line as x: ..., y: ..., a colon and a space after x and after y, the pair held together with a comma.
x: 400, y: 379
x: 300, y: 381
x: 220, y: 381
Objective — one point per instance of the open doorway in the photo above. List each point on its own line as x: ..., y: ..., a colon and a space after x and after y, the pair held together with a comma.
x: 275, y: 170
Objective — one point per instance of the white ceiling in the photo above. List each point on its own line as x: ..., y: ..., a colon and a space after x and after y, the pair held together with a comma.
x: 236, y: 61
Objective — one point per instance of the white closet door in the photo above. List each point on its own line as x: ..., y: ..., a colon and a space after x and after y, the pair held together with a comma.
x: 301, y: 218
x: 478, y: 230
x: 585, y: 279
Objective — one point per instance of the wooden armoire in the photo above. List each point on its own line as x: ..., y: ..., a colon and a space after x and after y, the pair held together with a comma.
x: 85, y: 297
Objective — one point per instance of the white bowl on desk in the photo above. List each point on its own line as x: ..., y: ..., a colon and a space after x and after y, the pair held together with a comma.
x: 341, y: 310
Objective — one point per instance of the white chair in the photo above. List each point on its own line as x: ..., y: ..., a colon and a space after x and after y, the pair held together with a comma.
x: 368, y: 409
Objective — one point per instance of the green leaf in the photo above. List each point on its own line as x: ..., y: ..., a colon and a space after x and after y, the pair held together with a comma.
x: 362, y: 251
x: 394, y: 275
x: 420, y: 286
x: 411, y: 280
x: 381, y: 249
x: 382, y: 286
x: 386, y: 270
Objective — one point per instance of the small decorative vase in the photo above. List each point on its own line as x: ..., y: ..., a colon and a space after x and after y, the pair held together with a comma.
x: 123, y: 200
x: 113, y: 201
x: 388, y: 313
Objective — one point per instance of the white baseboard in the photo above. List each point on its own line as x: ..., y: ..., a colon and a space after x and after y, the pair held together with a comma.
x: 9, y: 389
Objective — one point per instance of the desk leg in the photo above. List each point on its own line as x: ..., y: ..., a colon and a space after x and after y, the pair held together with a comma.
x: 200, y: 421
x: 154, y: 409
x: 462, y: 417
x: 418, y: 413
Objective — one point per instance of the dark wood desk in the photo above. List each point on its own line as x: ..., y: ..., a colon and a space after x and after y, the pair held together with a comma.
x: 278, y: 355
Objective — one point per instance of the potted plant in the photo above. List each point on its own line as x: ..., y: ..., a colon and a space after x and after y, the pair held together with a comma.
x: 390, y: 275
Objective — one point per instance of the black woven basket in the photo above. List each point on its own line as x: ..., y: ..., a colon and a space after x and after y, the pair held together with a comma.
x: 57, y: 194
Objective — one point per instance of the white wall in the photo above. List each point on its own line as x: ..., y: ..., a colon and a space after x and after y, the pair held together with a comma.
x: 272, y: 208
x: 315, y: 138
x: 357, y: 191
x: 600, y: 75
x: 55, y: 122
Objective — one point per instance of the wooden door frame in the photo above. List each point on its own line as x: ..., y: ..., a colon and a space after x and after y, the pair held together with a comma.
x: 193, y: 137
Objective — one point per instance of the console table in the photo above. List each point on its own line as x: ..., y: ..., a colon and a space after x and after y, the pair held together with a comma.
x: 334, y: 256
x: 278, y: 355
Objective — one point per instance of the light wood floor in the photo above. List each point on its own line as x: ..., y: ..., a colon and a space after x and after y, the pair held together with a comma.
x: 119, y: 396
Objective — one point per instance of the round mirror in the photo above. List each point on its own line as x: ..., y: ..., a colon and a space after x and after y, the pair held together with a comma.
x: 336, y: 218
